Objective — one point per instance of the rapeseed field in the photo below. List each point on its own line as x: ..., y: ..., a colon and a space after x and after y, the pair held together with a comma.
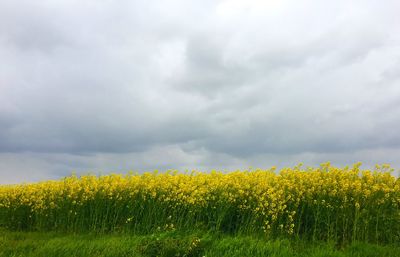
x: 318, y: 203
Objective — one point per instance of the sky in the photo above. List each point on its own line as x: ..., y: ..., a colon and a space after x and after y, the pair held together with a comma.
x: 106, y: 86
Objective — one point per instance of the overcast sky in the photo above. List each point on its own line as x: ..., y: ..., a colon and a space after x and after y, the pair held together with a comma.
x: 102, y: 86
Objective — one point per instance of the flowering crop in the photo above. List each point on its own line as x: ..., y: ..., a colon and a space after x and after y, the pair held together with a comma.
x: 328, y: 203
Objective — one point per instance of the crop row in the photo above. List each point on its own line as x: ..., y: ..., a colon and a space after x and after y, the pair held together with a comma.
x: 326, y: 203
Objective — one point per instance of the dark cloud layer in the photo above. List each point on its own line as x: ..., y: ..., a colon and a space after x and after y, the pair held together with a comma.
x: 96, y: 85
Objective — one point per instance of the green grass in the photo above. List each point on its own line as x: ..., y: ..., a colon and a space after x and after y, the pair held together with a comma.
x: 175, y: 243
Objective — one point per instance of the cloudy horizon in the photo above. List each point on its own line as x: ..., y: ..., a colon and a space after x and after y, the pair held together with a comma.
x: 105, y: 86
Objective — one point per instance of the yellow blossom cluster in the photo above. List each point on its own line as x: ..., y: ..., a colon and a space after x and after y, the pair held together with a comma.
x: 323, y: 202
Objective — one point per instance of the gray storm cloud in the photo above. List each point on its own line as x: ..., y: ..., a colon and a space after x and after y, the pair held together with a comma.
x: 102, y: 86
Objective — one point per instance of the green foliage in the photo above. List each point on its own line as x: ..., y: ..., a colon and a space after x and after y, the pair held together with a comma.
x: 176, y: 244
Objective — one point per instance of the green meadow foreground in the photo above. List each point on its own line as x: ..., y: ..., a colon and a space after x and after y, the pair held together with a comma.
x: 322, y: 211
x: 174, y: 244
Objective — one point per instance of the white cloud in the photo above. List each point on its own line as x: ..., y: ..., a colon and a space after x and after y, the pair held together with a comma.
x: 186, y: 84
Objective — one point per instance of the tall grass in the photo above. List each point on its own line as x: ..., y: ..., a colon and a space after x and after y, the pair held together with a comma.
x: 324, y: 203
x: 175, y: 244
